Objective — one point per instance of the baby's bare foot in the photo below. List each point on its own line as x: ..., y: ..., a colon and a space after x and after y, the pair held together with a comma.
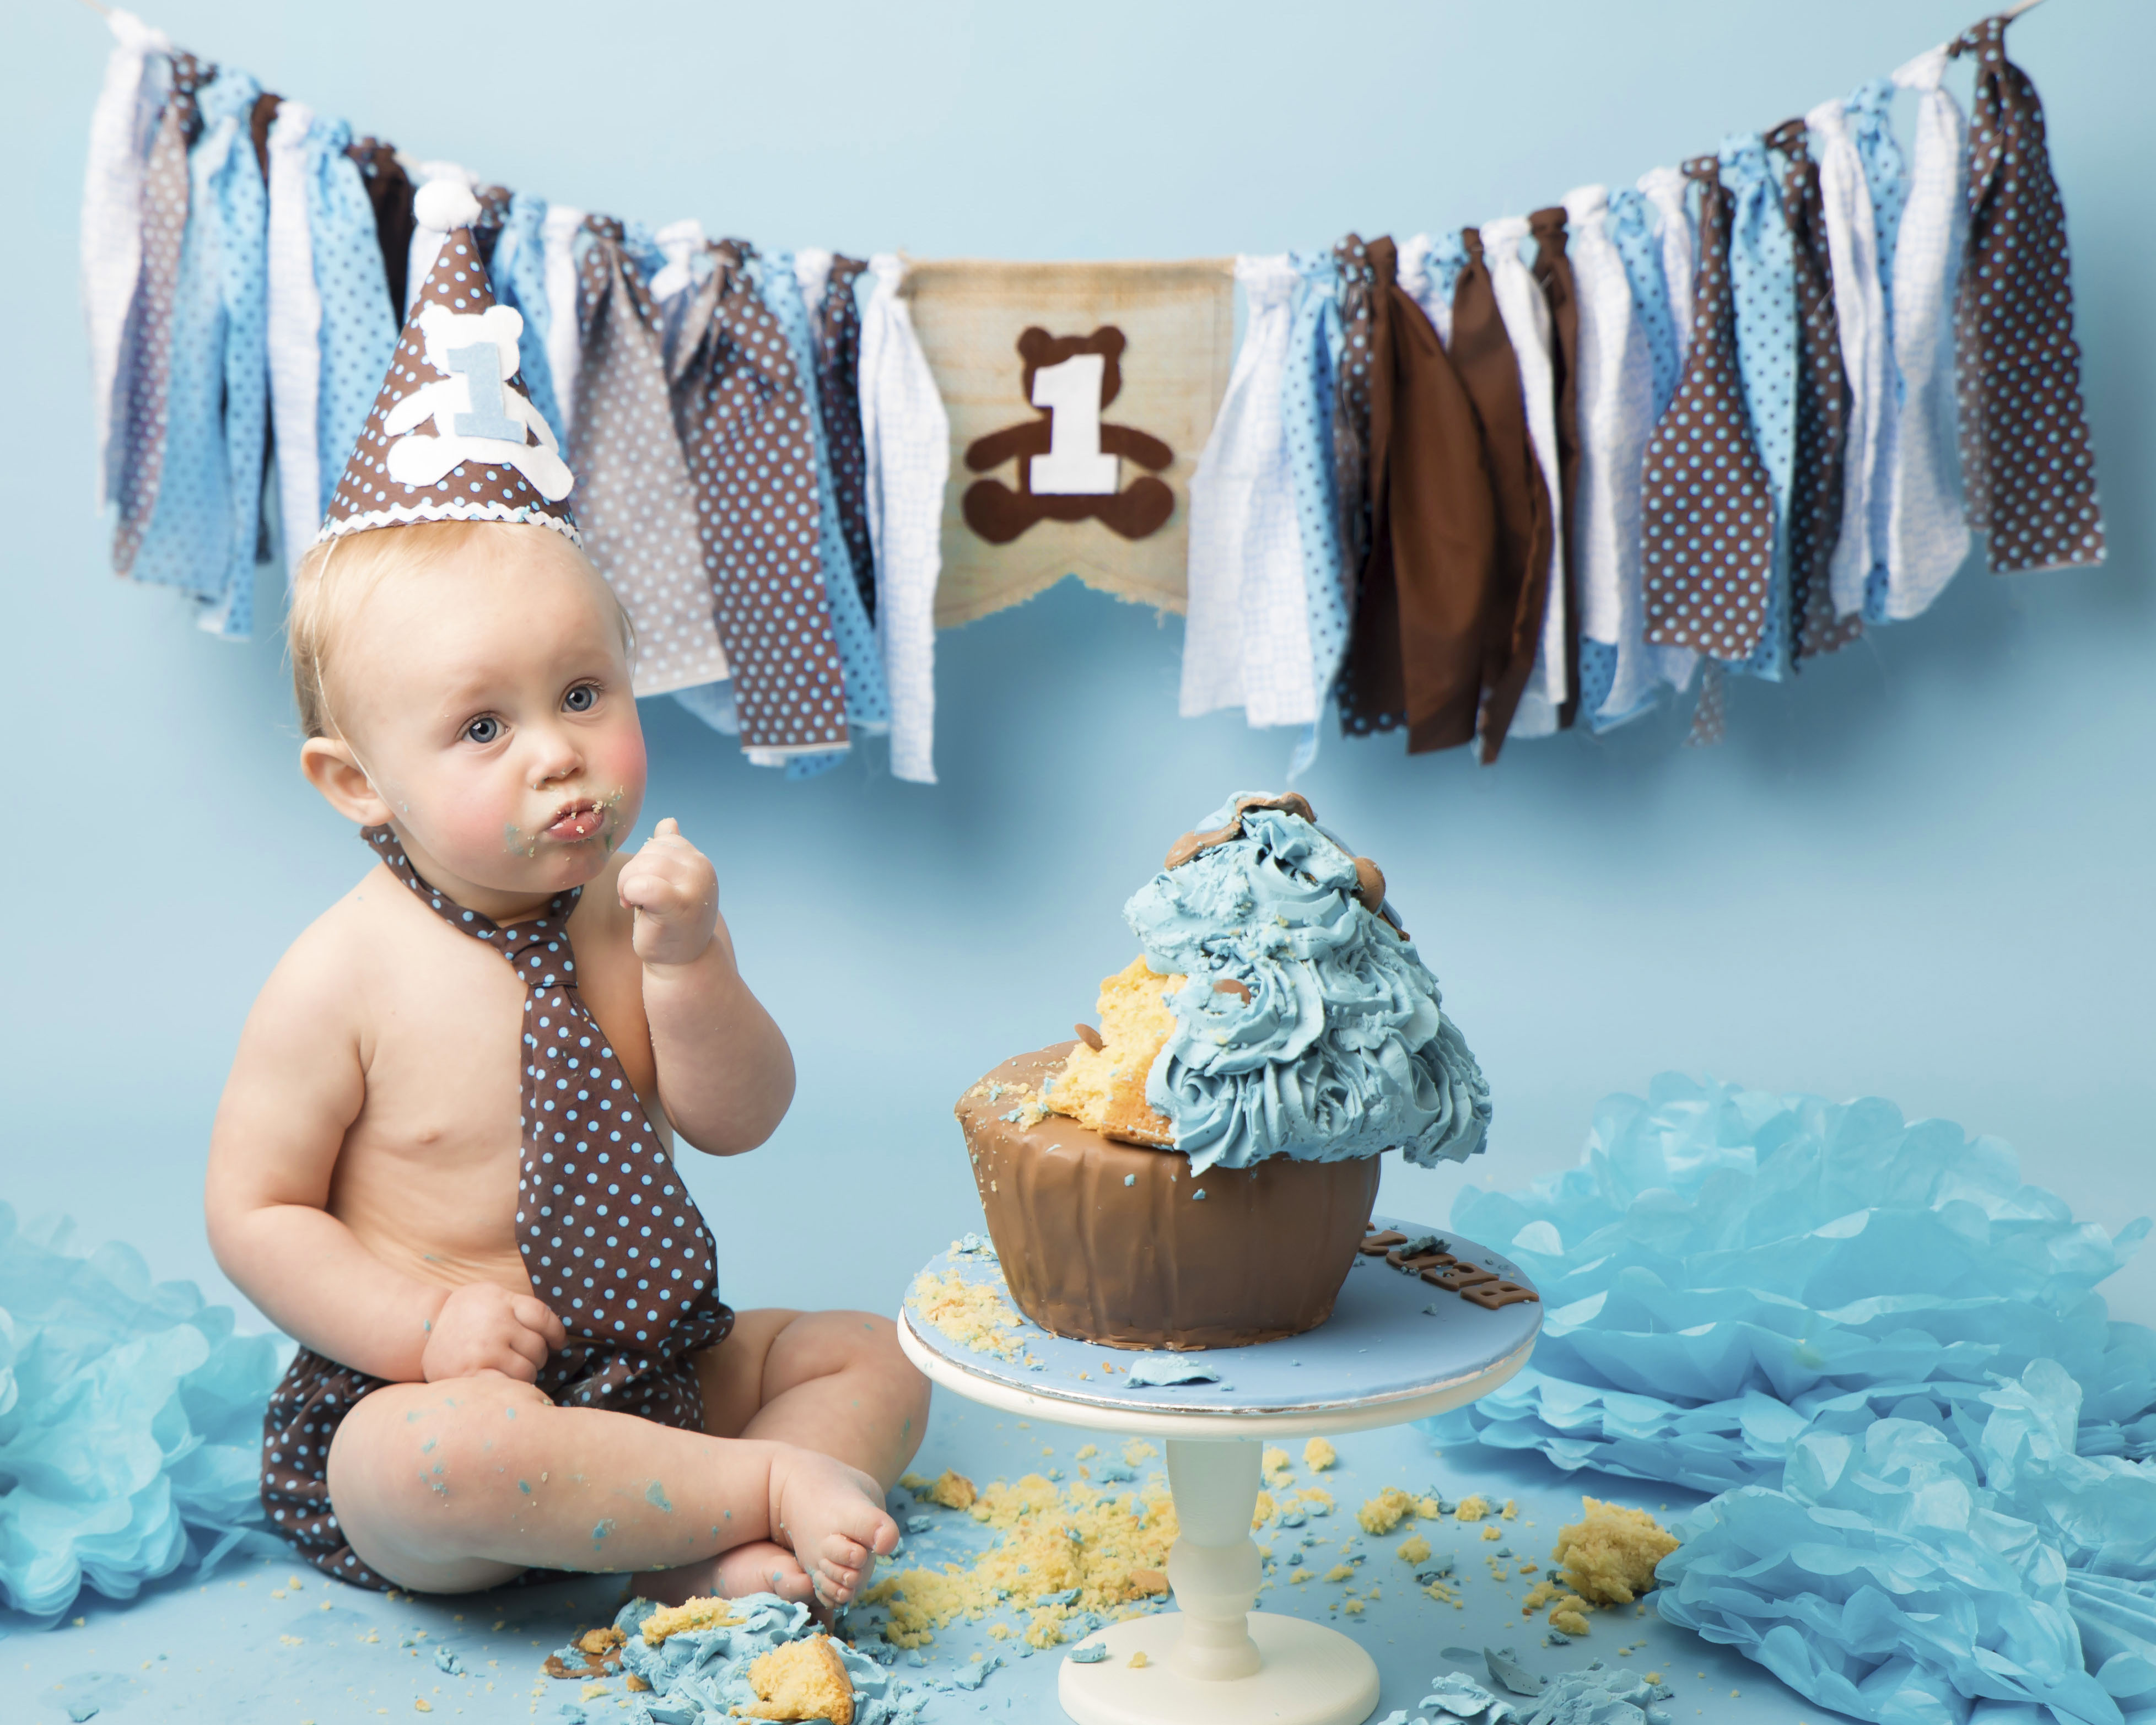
x: 833, y: 1516
x: 759, y: 1567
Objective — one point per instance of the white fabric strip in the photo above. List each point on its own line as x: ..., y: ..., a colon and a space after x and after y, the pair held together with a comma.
x: 1246, y: 638
x: 1526, y: 319
x: 1860, y: 309
x: 295, y: 331
x: 565, y: 335
x: 907, y: 436
x: 681, y: 244
x: 812, y: 274
x: 1616, y: 416
x: 1664, y: 187
x: 427, y: 242
x: 1927, y: 533
x: 1420, y: 285
x: 121, y: 127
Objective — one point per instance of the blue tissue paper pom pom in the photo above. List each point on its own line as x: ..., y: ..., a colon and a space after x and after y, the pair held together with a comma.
x: 131, y: 1422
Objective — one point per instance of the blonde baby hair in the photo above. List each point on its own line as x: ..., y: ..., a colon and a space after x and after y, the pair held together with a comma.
x: 336, y: 575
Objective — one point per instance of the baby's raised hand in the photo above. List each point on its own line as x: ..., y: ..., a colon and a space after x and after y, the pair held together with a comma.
x: 673, y: 890
x: 484, y: 1327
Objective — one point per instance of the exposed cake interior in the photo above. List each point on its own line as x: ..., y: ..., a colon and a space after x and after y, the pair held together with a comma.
x: 1104, y: 1087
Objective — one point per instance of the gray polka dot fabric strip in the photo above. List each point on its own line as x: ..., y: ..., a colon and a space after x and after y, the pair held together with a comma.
x: 1822, y: 403
x: 1707, y: 506
x: 609, y: 1236
x: 2028, y: 472
x: 742, y: 416
x: 139, y: 442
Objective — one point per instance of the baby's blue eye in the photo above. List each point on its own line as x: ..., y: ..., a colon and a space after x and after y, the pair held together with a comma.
x: 581, y: 698
x: 483, y: 729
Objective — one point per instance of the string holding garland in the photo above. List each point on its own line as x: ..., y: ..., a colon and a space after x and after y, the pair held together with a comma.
x: 1495, y: 483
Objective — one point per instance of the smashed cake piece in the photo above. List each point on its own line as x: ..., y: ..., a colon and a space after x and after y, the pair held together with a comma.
x: 698, y: 1614
x: 601, y: 1649
x: 799, y: 1681
x: 1103, y: 1084
x: 1317, y: 1455
x: 1610, y: 1553
x: 952, y: 1490
x: 1386, y: 1511
x: 971, y: 1315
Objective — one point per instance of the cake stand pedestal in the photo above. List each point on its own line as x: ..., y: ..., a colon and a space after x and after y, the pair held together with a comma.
x: 1395, y: 1349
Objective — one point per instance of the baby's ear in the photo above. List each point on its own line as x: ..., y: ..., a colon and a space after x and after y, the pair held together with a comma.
x: 328, y: 764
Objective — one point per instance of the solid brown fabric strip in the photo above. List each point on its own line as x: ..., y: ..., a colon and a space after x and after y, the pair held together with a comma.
x: 2027, y: 467
x: 1553, y: 271
x: 1373, y: 695
x: 1822, y: 406
x: 1490, y: 372
x: 1441, y: 526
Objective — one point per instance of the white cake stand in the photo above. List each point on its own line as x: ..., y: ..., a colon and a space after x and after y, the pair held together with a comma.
x: 1395, y: 1349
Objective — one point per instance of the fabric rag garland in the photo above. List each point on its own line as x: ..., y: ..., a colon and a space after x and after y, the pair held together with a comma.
x: 1476, y: 485
x: 1936, y: 1452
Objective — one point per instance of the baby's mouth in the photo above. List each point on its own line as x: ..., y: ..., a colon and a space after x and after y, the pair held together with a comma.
x: 575, y: 823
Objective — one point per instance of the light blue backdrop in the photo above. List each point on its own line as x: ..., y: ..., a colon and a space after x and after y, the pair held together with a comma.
x: 1923, y: 871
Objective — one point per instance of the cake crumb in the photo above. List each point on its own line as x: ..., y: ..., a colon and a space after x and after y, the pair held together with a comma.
x: 952, y: 1490
x: 1317, y: 1498
x: 1610, y: 1554
x: 1138, y: 1450
x: 1493, y: 1533
x: 697, y: 1614
x: 1414, y: 1550
x: 1139, y: 1661
x: 1386, y: 1511
x: 1276, y: 1466
x: 1086, y: 1452
x: 1317, y: 1455
x: 1473, y: 1507
x: 1263, y: 1510
x: 970, y: 1315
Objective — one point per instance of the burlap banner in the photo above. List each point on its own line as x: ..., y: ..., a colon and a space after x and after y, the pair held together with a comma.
x: 1080, y: 397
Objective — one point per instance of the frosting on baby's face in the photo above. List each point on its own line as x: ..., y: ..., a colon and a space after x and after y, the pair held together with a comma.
x: 488, y: 700
x: 1309, y: 1025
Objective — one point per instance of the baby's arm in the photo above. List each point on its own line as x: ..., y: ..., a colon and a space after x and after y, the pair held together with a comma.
x: 725, y: 1074
x: 298, y: 1082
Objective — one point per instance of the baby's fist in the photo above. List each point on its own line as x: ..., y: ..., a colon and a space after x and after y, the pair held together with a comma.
x: 675, y: 892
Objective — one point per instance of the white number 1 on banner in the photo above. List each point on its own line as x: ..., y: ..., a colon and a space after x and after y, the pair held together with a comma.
x: 1074, y: 465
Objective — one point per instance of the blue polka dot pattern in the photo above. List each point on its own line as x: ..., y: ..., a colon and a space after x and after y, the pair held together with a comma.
x: 1887, y: 179
x: 358, y: 329
x: 1762, y: 271
x: 1307, y: 400
x: 746, y: 427
x: 1707, y: 506
x: 518, y: 270
x: 1631, y: 228
x: 609, y: 1236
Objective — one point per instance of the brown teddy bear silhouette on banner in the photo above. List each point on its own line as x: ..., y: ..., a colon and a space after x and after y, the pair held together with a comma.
x: 1067, y: 456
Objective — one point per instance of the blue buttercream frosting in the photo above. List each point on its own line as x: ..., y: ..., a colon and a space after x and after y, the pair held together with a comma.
x: 1342, y: 1048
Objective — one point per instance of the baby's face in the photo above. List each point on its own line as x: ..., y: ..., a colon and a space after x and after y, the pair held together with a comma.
x: 489, y: 701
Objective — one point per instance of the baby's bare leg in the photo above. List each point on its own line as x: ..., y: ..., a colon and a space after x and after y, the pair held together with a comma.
x: 452, y: 1487
x: 830, y: 1381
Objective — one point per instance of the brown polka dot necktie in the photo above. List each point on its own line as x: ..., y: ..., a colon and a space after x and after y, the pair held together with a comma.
x: 2028, y: 472
x: 609, y: 1235
x: 742, y: 415
x: 138, y: 451
x: 1822, y: 399
x: 1706, y: 503
x: 634, y: 503
x: 837, y: 325
x: 1490, y: 372
x: 1553, y: 271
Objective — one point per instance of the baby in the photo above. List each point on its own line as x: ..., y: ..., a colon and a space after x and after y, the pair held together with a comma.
x: 449, y: 1176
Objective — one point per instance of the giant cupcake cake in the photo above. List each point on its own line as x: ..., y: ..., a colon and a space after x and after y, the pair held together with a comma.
x: 1197, y: 1171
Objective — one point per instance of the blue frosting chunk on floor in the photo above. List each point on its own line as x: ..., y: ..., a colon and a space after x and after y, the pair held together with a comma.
x: 245, y: 1644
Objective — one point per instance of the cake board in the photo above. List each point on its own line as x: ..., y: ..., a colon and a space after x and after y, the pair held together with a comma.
x: 1395, y: 1349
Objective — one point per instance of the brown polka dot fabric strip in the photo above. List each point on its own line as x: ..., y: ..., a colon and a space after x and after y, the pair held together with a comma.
x: 1489, y: 370
x: 1822, y: 404
x: 634, y: 501
x: 2027, y: 469
x: 1373, y: 691
x: 1707, y: 506
x: 139, y: 442
x: 837, y: 323
x: 609, y: 1235
x: 742, y: 415
x: 1553, y: 271
x: 390, y: 190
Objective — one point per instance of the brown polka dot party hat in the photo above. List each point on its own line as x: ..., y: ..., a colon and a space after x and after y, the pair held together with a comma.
x: 453, y: 436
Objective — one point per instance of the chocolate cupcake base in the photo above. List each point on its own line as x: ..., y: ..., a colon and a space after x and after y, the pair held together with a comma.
x: 1113, y: 1242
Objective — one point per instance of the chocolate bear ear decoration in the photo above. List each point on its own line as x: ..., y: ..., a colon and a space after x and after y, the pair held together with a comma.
x: 453, y: 436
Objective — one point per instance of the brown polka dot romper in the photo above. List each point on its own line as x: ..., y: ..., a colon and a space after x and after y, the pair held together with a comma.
x: 612, y: 1239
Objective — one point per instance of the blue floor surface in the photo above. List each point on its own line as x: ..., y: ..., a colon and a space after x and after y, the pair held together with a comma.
x: 247, y: 1647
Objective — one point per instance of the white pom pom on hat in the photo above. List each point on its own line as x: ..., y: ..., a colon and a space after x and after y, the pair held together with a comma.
x: 444, y: 204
